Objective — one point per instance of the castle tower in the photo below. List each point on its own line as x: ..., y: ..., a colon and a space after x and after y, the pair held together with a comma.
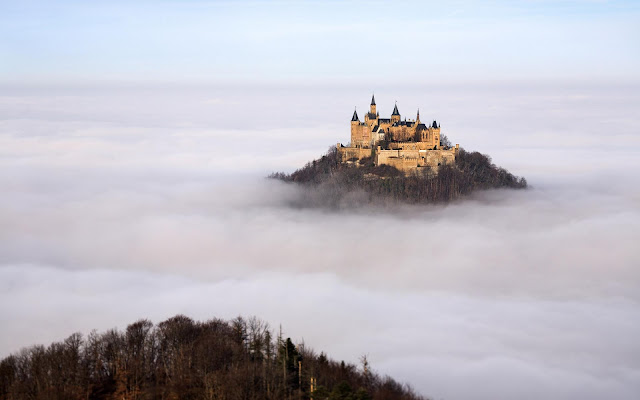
x: 371, y: 118
x: 395, y: 115
x: 355, y: 124
x: 436, y: 134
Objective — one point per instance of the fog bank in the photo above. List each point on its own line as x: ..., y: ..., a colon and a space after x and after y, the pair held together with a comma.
x: 131, y: 203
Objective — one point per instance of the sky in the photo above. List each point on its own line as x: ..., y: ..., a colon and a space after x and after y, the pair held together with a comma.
x: 318, y: 41
x: 135, y: 138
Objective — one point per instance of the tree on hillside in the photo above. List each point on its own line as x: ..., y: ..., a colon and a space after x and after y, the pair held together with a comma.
x: 183, y: 359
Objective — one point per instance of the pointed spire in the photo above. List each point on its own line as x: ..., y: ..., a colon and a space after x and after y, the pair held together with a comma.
x: 355, y: 116
x: 373, y: 100
x: 418, y: 116
x: 395, y: 110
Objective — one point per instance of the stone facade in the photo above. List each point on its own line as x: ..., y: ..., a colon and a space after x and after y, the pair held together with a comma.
x: 411, y: 145
x: 408, y: 160
x: 353, y: 153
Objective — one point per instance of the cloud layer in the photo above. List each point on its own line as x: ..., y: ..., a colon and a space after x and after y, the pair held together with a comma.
x: 122, y: 204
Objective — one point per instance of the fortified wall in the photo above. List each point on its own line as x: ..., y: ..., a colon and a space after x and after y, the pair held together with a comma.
x: 347, y: 154
x: 413, y: 160
x: 406, y: 145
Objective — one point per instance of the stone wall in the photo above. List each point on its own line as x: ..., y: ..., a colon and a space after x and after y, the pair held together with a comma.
x: 411, y: 146
x: 401, y: 133
x: 360, y: 135
x: 407, y: 156
x: 350, y: 153
x: 405, y: 165
x: 413, y: 158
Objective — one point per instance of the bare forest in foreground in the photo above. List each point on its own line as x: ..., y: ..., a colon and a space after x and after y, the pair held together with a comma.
x: 183, y: 359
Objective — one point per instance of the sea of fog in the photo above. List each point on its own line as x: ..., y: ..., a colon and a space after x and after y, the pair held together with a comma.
x: 127, y: 202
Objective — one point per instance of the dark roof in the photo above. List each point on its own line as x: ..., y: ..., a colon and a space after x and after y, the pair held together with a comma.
x: 422, y: 126
x: 355, y: 116
x: 375, y: 128
x: 434, y: 125
x: 381, y: 120
x: 395, y: 110
x: 373, y: 100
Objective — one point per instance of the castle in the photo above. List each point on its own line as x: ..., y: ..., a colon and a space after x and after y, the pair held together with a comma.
x: 407, y: 145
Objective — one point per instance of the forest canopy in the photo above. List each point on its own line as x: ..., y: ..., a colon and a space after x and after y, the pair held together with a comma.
x: 183, y: 359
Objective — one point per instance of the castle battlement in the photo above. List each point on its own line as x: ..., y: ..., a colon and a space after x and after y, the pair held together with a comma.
x: 408, y: 145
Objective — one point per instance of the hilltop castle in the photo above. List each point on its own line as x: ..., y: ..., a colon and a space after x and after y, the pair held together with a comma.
x: 408, y: 145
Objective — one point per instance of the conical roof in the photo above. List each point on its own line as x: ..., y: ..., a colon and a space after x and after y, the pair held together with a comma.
x: 355, y: 116
x: 395, y: 110
x: 373, y: 100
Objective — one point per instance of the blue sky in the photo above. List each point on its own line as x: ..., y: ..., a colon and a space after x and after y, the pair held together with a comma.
x: 253, y: 41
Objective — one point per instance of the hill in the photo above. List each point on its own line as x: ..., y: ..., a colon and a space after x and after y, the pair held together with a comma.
x: 336, y: 183
x: 183, y: 359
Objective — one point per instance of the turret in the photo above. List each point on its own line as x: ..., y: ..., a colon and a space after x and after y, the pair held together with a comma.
x: 355, y: 124
x: 418, y: 118
x: 355, y: 117
x: 395, y: 115
x: 371, y: 118
x: 435, y: 128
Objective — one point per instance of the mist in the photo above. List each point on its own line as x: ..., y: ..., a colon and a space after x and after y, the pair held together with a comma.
x: 134, y: 202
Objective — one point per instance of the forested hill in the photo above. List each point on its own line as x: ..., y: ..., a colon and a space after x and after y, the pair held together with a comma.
x: 334, y: 183
x: 182, y: 359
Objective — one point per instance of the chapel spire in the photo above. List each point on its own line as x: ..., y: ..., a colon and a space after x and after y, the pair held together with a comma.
x: 372, y: 109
